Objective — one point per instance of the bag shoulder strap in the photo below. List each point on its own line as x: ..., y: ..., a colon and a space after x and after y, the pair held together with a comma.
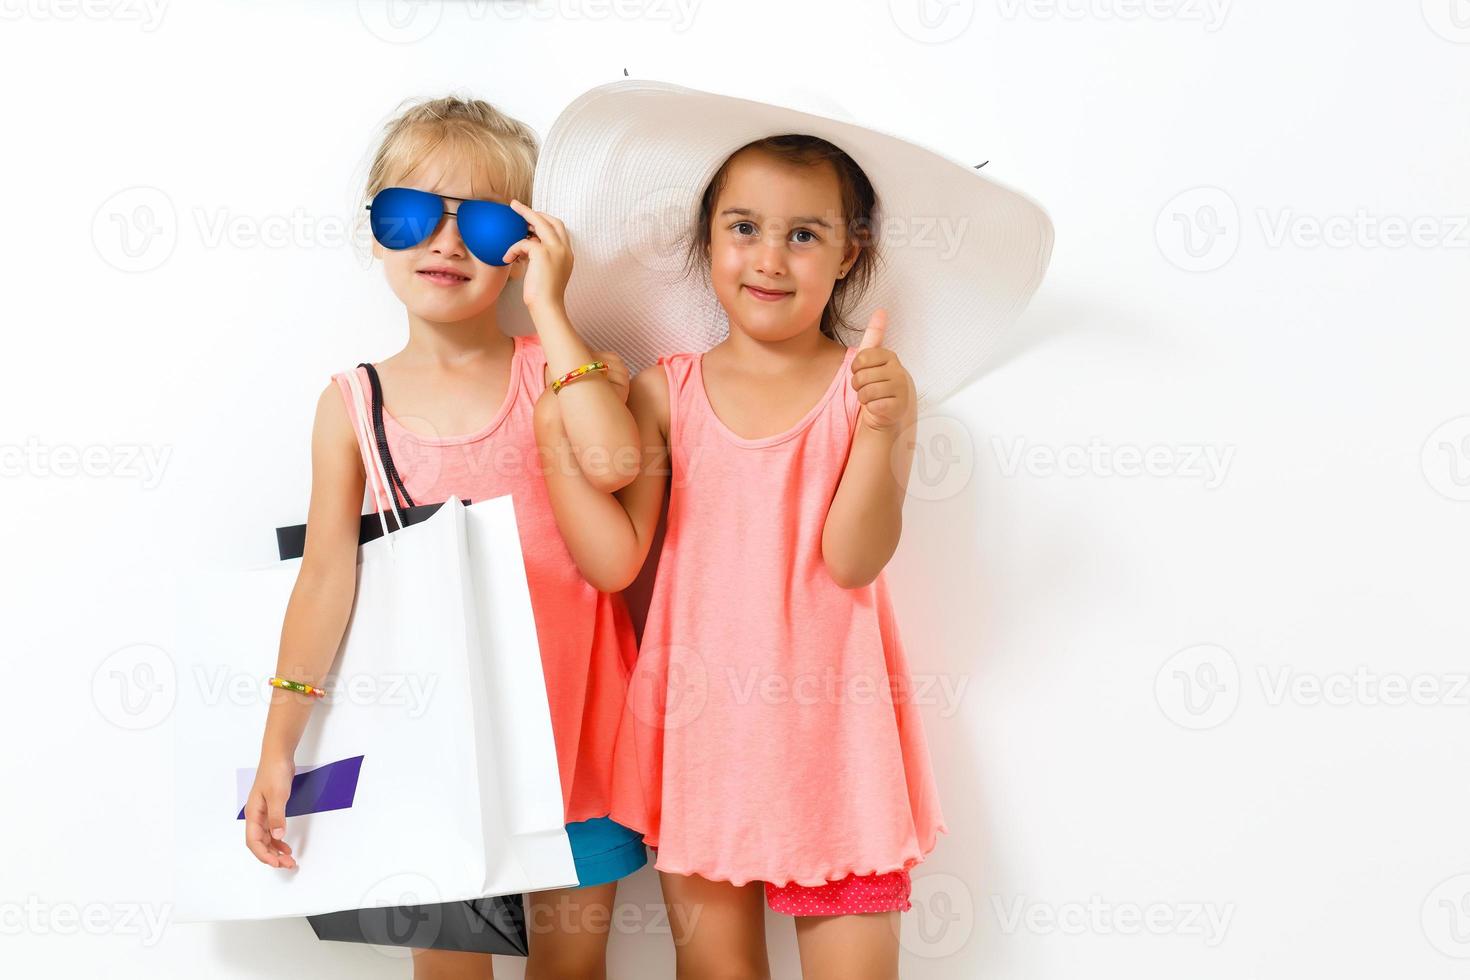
x: 381, y: 435
x: 373, y: 465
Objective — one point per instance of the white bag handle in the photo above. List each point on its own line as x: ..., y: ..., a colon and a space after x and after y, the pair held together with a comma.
x: 364, y: 434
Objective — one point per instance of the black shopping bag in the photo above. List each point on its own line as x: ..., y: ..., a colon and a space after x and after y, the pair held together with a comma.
x: 484, y: 925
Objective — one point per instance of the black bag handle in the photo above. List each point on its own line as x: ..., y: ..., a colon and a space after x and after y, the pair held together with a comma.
x: 291, y: 540
x: 381, y: 435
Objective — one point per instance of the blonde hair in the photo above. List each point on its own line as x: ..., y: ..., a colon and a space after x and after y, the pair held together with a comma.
x: 495, y: 147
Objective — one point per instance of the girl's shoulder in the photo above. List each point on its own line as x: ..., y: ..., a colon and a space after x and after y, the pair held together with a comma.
x: 651, y: 385
x: 670, y: 370
x: 667, y: 366
x: 533, y: 356
x: 648, y: 395
x: 674, y: 363
x: 338, y: 393
x: 530, y: 345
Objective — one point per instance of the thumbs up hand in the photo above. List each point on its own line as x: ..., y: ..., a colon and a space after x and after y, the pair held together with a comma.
x: 877, y: 327
x: 885, y: 389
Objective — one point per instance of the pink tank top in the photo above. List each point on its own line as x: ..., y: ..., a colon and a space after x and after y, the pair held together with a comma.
x: 586, y: 636
x: 770, y: 732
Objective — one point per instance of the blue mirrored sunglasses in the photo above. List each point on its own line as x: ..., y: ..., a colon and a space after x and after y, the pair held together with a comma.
x: 402, y: 217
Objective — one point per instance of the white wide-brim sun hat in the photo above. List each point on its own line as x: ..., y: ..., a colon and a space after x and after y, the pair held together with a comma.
x: 625, y: 165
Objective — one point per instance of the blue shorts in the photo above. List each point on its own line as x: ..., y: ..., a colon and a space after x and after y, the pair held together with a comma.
x: 604, y: 851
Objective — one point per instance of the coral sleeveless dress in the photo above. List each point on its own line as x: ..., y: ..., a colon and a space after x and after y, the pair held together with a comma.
x: 769, y: 733
x: 586, y: 636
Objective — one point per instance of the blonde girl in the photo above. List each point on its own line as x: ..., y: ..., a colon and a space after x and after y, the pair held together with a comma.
x: 458, y: 405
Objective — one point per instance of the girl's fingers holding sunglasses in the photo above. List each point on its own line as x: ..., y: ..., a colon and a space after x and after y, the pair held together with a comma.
x: 543, y: 226
x: 534, y: 218
x: 522, y: 248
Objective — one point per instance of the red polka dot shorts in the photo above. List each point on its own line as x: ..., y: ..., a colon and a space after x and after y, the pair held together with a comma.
x: 846, y: 896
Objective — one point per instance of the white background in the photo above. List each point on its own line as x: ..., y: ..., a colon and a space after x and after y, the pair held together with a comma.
x: 1182, y: 747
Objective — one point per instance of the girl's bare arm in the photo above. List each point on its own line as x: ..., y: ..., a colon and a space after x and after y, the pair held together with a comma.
x: 609, y: 535
x: 600, y: 432
x: 866, y: 517
x: 602, y: 436
x: 316, y: 617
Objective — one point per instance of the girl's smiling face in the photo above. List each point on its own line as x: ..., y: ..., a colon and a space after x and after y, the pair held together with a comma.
x: 778, y: 242
x: 438, y: 279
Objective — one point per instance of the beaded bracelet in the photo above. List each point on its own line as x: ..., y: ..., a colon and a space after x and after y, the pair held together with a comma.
x: 577, y: 373
x: 298, y: 687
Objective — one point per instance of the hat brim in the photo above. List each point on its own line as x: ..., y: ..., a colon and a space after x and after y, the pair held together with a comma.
x: 625, y: 165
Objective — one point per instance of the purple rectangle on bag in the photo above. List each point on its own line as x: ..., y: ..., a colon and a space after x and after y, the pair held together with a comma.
x: 328, y: 787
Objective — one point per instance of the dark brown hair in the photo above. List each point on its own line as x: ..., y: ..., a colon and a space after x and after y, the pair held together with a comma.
x: 859, y: 204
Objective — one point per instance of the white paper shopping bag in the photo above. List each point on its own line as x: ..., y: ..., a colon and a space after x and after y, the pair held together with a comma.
x: 398, y: 788
x: 429, y: 775
x: 528, y: 775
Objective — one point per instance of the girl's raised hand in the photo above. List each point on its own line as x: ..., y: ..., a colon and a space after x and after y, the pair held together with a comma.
x: 547, y: 257
x: 885, y: 389
x: 265, y: 813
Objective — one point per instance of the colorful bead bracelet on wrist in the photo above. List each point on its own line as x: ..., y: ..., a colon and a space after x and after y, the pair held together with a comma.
x: 577, y: 373
x: 298, y: 687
